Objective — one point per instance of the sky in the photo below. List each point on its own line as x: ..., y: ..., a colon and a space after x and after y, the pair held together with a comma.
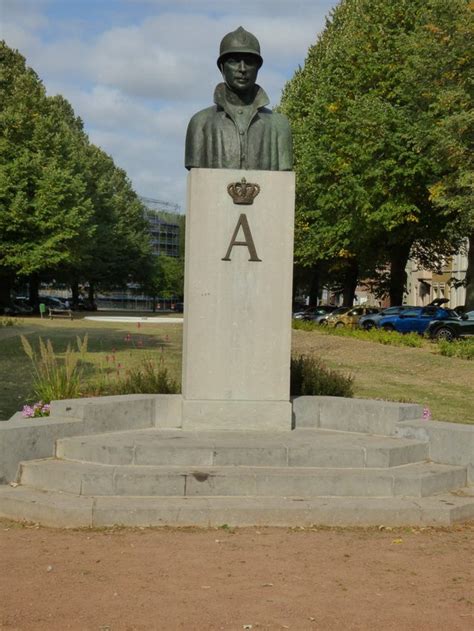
x: 135, y: 71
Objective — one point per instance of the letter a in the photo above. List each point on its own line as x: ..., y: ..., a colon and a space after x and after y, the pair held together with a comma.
x: 244, y: 224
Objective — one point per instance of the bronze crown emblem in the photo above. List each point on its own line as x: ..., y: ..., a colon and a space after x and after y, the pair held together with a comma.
x: 243, y: 192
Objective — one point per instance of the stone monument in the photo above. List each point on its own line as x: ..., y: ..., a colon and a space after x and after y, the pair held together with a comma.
x: 239, y: 253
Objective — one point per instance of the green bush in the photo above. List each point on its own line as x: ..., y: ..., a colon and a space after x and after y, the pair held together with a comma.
x: 391, y: 338
x: 305, y: 325
x: 464, y: 349
x: 309, y: 376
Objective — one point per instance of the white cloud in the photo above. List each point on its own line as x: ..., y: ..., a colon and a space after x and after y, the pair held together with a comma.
x: 136, y: 80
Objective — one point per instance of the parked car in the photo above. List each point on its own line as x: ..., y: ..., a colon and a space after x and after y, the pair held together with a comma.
x: 19, y: 306
x: 349, y: 316
x: 415, y: 320
x: 313, y: 312
x: 322, y: 320
x: 370, y: 320
x: 452, y: 327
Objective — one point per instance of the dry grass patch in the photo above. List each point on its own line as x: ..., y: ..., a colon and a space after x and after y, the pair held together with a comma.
x: 414, y: 375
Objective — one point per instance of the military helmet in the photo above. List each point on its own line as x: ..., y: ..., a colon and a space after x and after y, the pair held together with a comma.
x: 239, y: 41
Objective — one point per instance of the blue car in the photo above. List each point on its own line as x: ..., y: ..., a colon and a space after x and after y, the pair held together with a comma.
x: 370, y: 320
x: 415, y: 320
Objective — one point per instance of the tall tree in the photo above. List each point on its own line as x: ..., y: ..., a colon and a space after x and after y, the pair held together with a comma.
x: 44, y: 210
x: 360, y: 137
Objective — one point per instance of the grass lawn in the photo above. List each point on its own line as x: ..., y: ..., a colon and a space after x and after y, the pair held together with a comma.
x: 412, y: 375
x: 109, y: 346
x: 444, y: 384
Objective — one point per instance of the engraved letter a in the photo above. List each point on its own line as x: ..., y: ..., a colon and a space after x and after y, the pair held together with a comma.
x: 244, y: 224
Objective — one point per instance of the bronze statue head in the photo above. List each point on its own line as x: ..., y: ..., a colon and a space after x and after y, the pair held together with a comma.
x: 239, y: 41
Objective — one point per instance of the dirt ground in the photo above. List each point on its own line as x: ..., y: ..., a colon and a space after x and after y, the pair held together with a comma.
x: 136, y: 579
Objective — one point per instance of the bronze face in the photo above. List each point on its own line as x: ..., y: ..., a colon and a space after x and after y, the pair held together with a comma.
x: 240, y: 71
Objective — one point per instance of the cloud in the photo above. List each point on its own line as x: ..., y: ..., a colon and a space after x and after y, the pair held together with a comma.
x: 136, y: 70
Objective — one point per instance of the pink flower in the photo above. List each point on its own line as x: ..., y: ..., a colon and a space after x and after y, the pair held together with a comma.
x: 426, y: 414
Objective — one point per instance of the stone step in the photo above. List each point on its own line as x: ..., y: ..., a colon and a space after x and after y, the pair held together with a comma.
x: 300, y: 448
x: 65, y: 510
x: 416, y: 480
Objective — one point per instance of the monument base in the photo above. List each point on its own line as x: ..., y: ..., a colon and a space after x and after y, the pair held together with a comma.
x: 236, y: 415
x: 237, y: 300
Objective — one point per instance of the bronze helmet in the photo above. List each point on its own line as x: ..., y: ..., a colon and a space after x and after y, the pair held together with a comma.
x: 239, y: 41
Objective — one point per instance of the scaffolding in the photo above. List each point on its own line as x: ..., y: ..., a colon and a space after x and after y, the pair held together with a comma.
x: 164, y: 234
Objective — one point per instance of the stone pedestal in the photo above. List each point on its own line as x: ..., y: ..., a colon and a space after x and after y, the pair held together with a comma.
x: 237, y: 310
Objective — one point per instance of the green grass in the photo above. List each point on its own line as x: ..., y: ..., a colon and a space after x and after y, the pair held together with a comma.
x: 412, y: 375
x: 419, y: 375
x: 109, y: 348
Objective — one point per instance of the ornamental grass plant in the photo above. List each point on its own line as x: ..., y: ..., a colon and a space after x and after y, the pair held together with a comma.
x: 148, y: 377
x: 56, y: 377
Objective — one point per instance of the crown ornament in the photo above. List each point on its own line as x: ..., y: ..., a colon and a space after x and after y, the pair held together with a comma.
x: 243, y: 192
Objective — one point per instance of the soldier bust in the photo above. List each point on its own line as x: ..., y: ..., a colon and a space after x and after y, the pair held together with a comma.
x: 239, y: 131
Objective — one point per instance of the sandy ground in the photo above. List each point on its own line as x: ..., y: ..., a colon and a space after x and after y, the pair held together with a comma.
x: 325, y: 579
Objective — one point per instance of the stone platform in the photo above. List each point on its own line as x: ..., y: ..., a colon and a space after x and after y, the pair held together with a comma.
x: 346, y: 462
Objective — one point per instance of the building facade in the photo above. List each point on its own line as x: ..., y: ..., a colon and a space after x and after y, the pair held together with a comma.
x: 424, y: 286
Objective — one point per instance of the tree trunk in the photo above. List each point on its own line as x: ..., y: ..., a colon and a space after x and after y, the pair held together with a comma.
x: 314, y: 286
x: 398, y: 275
x: 5, y: 291
x: 470, y: 275
x: 75, y: 292
x: 350, y: 283
x: 34, y: 283
x: 91, y: 292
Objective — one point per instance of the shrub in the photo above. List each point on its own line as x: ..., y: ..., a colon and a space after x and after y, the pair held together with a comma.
x: 391, y: 338
x: 306, y: 325
x: 309, y: 376
x: 147, y: 378
x: 464, y: 349
x: 55, y: 378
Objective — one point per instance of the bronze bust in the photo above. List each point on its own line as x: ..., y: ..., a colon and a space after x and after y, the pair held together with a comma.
x: 239, y: 131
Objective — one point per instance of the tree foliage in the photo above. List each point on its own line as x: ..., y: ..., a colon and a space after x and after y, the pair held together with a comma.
x: 379, y: 116
x: 66, y: 210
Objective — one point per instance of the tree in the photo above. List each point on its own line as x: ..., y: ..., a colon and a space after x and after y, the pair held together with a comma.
x: 361, y: 136
x: 66, y: 210
x: 165, y: 278
x: 121, y: 242
x: 445, y: 98
x: 44, y: 213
